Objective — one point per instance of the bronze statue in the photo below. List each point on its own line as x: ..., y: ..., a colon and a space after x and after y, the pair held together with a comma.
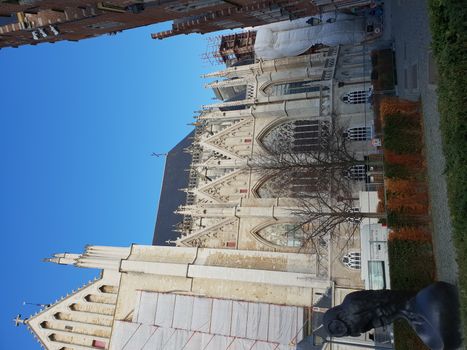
x: 433, y: 313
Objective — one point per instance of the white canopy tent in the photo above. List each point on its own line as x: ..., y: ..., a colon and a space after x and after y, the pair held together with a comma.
x: 292, y: 38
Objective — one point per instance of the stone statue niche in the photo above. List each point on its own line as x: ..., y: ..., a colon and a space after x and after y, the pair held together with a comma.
x: 433, y: 313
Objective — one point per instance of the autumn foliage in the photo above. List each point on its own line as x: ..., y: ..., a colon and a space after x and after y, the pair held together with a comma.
x: 406, y: 191
x: 409, y: 160
x: 381, y: 208
x: 406, y: 196
x: 393, y: 105
x: 411, y: 204
x: 401, y: 187
x: 405, y: 202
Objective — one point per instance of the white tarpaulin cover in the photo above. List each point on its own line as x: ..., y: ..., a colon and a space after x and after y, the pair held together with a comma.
x: 292, y: 38
x: 164, y: 321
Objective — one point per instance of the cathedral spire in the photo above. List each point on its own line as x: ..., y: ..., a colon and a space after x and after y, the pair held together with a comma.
x: 18, y: 320
x: 98, y: 257
x: 64, y: 259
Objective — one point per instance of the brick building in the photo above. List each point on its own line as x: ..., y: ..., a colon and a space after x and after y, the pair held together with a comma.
x: 34, y: 21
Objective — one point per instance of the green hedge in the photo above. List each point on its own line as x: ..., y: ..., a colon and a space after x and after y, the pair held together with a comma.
x: 413, y: 264
x: 396, y: 171
x: 412, y: 268
x: 406, y: 338
x: 398, y: 220
x: 402, y: 133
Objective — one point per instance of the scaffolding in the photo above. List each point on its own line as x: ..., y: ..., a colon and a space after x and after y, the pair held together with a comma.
x: 230, y: 49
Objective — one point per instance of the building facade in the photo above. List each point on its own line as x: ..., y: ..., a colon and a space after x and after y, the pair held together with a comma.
x: 25, y: 22
x: 291, y: 102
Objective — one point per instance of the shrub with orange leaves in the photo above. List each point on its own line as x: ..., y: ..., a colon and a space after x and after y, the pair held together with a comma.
x: 411, y: 234
x: 411, y: 160
x: 409, y: 204
x: 380, y: 208
x: 381, y: 193
x: 393, y: 105
x: 403, y: 187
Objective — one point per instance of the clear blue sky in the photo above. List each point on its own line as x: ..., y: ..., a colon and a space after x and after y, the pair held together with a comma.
x: 78, y: 124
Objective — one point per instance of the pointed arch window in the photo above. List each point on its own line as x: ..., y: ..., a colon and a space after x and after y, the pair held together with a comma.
x: 352, y: 260
x: 284, y: 234
x: 294, y: 184
x: 303, y: 135
x: 356, y: 172
x: 356, y: 97
x: 290, y: 88
x: 362, y: 133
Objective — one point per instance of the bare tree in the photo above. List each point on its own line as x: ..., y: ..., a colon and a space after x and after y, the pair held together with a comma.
x: 327, y: 156
x: 322, y: 177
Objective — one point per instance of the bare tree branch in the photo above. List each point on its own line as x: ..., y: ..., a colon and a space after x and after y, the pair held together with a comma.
x: 321, y: 179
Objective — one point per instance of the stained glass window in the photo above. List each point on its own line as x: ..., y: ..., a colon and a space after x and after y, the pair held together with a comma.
x: 292, y: 88
x: 284, y: 234
x: 352, y: 260
x: 304, y: 135
x: 356, y: 97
